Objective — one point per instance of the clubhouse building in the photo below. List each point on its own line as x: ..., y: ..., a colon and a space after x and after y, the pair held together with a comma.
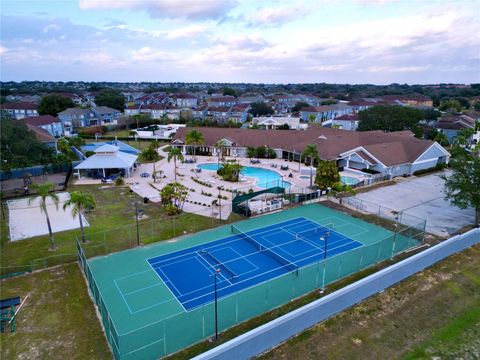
x: 389, y: 154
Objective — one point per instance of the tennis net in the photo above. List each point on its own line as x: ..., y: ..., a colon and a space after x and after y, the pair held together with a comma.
x: 320, y: 230
x: 208, y: 256
x: 280, y: 259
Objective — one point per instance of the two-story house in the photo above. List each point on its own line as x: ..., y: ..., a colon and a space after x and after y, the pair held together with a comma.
x: 106, y: 115
x: 20, y: 109
x: 76, y: 118
x: 47, y: 122
x: 325, y: 112
x: 185, y: 100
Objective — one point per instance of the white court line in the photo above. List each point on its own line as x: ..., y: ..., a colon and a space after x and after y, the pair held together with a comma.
x: 121, y: 294
x: 198, y: 256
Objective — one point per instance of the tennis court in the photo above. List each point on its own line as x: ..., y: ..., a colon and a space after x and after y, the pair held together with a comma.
x: 246, y: 259
x: 158, y: 299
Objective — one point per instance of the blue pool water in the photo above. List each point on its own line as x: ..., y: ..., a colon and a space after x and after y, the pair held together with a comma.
x: 265, y: 178
x: 347, y: 180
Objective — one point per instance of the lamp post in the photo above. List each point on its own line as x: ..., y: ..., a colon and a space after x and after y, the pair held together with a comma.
x: 325, y: 238
x: 215, y: 275
x: 136, y: 220
x: 394, y: 240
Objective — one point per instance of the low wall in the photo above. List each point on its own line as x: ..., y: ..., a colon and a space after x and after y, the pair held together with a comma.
x: 273, y: 333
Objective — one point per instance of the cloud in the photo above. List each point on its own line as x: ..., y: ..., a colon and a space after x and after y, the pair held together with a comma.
x: 190, y: 9
x: 189, y: 31
x: 3, y: 50
x: 51, y: 27
x: 276, y: 15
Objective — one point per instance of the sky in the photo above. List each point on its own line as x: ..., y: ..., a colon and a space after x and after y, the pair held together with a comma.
x: 334, y: 41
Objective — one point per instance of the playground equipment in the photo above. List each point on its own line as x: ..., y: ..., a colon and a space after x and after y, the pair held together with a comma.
x: 9, y: 311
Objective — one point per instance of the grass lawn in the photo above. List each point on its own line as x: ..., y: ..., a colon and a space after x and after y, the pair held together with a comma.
x: 435, y: 314
x: 115, y: 210
x: 58, y: 320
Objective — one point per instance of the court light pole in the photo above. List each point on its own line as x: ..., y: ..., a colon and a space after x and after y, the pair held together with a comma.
x: 394, y: 240
x: 325, y: 259
x: 136, y: 220
x: 215, y: 275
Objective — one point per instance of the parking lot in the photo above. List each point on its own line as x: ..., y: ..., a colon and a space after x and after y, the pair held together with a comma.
x: 421, y: 197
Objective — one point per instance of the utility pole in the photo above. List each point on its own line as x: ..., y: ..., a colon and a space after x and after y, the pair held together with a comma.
x: 215, y: 275
x: 136, y: 218
x: 220, y: 205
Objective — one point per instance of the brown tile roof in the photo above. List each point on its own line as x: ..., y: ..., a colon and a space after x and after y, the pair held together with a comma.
x: 390, y: 148
x: 41, y: 120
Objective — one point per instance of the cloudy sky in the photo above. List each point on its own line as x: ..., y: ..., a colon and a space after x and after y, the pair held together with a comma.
x: 335, y: 41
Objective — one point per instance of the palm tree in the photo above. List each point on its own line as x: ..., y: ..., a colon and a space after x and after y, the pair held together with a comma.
x: 44, y: 193
x: 175, y: 153
x: 219, y: 145
x: 311, y: 152
x: 80, y: 201
x: 195, y: 138
x: 150, y: 154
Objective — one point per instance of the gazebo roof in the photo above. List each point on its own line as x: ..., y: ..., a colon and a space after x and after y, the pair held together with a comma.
x: 106, y: 160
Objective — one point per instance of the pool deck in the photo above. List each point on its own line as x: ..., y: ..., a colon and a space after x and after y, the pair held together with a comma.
x: 145, y: 187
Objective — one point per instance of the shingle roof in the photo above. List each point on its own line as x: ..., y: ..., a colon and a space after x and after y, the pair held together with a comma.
x: 116, y: 160
x: 390, y: 148
x: 20, y: 105
x: 41, y: 134
x: 41, y: 120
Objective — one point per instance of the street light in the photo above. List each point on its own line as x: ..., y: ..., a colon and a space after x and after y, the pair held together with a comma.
x: 325, y: 238
x: 215, y: 275
x: 136, y: 221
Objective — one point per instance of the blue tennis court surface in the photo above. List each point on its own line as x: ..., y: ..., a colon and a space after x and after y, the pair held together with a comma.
x: 247, y: 259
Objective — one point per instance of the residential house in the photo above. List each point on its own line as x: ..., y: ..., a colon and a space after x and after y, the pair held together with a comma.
x: 410, y: 100
x: 219, y: 113
x: 47, y: 122
x: 20, y: 109
x: 132, y: 110
x: 185, y: 100
x: 450, y: 125
x: 42, y: 135
x: 360, y: 105
x: 248, y: 99
x: 346, y: 122
x: 222, y: 101
x: 325, y: 112
x: 200, y: 112
x: 239, y: 112
x: 390, y: 154
x: 72, y: 118
x: 106, y: 115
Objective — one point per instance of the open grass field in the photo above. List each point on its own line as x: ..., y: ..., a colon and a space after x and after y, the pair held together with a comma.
x: 435, y: 314
x: 58, y: 320
x: 114, y: 209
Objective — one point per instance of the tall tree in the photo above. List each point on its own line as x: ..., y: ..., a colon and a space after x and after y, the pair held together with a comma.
x: 311, y: 153
x: 150, y: 154
x: 80, y: 201
x: 110, y: 98
x: 44, y: 192
x: 53, y: 104
x: 260, y: 108
x: 327, y: 174
x: 173, y: 197
x: 389, y: 118
x: 176, y: 154
x: 194, y: 138
x: 462, y: 186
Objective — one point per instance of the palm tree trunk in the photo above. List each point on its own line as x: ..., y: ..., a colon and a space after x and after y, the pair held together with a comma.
x: 81, y: 226
x: 311, y: 171
x: 154, y: 173
x: 175, y: 167
x: 477, y: 216
x: 52, y: 240
x: 194, y: 153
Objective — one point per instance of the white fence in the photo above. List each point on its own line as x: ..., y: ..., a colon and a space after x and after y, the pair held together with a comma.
x: 275, y: 332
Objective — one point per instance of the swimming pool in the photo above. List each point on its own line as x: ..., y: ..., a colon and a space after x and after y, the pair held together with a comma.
x: 347, y: 180
x: 265, y: 177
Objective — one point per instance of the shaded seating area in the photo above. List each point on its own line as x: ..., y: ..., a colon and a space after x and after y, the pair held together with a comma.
x: 107, y: 163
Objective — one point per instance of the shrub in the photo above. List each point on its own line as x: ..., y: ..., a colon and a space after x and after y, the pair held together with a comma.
x: 119, y: 181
